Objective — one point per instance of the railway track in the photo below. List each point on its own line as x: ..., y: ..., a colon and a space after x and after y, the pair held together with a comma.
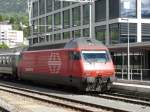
x: 61, y: 101
x: 51, y: 100
x: 86, y: 103
x: 125, y: 98
x: 3, y: 110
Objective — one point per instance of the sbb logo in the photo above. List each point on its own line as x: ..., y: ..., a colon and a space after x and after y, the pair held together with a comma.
x: 54, y: 63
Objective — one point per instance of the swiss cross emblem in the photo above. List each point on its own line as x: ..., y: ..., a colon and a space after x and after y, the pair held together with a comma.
x: 54, y: 63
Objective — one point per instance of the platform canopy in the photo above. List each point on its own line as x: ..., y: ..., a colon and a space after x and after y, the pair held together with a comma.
x: 133, y: 47
x: 86, y: 1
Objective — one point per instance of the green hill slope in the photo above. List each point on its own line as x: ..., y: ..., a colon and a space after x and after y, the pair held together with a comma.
x: 10, y: 7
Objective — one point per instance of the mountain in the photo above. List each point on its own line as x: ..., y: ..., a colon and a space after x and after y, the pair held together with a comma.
x: 10, y: 7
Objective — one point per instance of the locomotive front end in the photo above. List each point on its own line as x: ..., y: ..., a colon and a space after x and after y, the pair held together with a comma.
x: 98, y: 70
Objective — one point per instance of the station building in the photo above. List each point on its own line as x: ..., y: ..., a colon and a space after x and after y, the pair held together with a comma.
x: 54, y: 22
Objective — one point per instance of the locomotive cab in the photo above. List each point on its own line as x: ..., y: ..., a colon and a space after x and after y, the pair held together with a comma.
x: 98, y: 69
x: 97, y: 61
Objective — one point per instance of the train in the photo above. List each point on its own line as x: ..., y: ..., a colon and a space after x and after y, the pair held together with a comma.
x: 83, y: 63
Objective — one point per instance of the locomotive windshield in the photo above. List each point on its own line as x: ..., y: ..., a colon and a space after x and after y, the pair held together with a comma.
x: 95, y: 56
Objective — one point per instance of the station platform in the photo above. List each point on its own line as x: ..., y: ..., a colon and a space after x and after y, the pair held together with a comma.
x: 133, y: 86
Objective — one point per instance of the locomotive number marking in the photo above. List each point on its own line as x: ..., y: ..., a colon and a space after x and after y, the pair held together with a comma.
x: 54, y: 63
x: 29, y: 69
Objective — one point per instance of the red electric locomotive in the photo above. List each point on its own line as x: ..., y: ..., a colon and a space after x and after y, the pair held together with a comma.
x: 84, y: 63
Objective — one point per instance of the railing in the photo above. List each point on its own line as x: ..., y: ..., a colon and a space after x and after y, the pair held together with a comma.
x: 123, y: 72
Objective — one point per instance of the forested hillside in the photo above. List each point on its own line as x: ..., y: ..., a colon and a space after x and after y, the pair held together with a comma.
x: 11, y: 7
x: 16, y: 13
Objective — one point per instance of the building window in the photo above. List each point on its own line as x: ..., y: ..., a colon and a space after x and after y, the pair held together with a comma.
x: 35, y: 9
x: 128, y: 8
x: 100, y: 10
x: 100, y: 33
x: 57, y: 36
x: 57, y: 4
x: 86, y: 14
x: 114, y: 33
x: 49, y: 38
x: 42, y: 25
x: 76, y: 33
x: 74, y: 2
x: 145, y: 32
x: 35, y: 40
x: 35, y: 26
x: 124, y: 32
x: 86, y: 32
x: 145, y: 8
x: 49, y: 5
x: 49, y: 23
x: 42, y: 6
x: 76, y: 16
x: 113, y: 9
x: 57, y: 21
x: 41, y: 39
x: 66, y: 19
x: 30, y: 41
x: 66, y: 35
x: 65, y: 4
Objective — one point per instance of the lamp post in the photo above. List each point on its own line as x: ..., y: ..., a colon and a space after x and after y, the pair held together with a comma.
x: 128, y: 51
x: 90, y: 19
x: 127, y: 7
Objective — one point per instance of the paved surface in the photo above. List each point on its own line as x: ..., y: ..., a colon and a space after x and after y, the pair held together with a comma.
x: 111, y: 103
x: 16, y: 103
x: 4, y: 104
x: 135, y: 86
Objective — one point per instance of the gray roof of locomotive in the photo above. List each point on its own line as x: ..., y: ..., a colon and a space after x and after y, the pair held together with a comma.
x: 84, y: 43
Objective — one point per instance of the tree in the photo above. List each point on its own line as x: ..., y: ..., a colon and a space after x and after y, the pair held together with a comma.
x: 1, y: 18
x: 19, y: 22
x: 26, y: 31
x: 3, y: 46
x: 11, y: 20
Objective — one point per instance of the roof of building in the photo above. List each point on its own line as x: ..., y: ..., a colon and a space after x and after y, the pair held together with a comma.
x: 12, y: 50
x: 133, y: 46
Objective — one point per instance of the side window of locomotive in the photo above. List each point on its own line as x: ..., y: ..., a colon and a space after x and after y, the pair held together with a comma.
x: 4, y: 60
x: 0, y: 60
x: 20, y: 57
x: 74, y: 55
x: 10, y: 60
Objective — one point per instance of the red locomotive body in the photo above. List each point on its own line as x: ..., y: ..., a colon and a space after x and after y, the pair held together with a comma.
x: 83, y: 63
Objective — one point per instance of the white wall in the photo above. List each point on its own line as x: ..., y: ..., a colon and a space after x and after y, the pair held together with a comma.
x: 5, y: 27
x: 10, y: 37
